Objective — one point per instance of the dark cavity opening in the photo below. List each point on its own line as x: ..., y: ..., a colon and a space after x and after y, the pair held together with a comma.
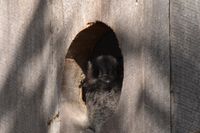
x: 96, y: 40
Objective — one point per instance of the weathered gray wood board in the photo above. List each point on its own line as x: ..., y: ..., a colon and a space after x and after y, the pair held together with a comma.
x: 29, y: 65
x: 72, y: 109
x: 185, y: 62
x: 156, y: 67
x: 146, y: 98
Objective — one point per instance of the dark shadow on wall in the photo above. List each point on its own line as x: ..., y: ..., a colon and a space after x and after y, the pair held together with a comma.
x: 27, y: 108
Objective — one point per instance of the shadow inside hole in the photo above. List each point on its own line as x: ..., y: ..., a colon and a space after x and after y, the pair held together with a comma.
x: 97, y: 39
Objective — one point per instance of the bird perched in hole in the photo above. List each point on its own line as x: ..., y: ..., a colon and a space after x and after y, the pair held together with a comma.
x: 101, y: 90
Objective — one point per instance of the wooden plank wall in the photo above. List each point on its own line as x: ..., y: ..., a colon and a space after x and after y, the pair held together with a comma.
x: 29, y: 65
x: 160, y: 44
x: 185, y: 62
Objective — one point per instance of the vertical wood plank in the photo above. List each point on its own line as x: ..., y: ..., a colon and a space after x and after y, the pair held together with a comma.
x: 185, y: 39
x: 142, y: 28
x: 28, y: 97
x: 156, y: 73
x: 57, y: 43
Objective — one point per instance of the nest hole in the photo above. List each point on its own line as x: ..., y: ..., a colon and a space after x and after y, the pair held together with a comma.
x: 93, y: 41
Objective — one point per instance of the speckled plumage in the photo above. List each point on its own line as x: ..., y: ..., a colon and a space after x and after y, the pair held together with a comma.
x: 102, y: 90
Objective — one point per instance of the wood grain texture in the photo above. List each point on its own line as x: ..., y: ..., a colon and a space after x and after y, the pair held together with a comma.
x: 156, y: 89
x: 185, y: 39
x: 145, y: 101
x: 28, y: 81
x: 73, y: 110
